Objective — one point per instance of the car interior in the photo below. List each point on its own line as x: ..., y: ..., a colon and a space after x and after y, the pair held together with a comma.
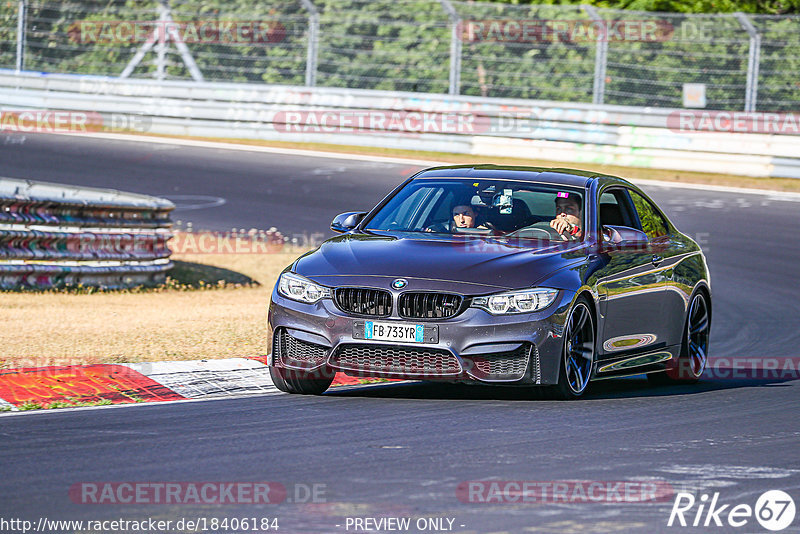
x: 525, y: 212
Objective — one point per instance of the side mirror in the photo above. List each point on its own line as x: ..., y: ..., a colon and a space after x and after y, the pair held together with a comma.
x: 619, y: 237
x: 344, y: 222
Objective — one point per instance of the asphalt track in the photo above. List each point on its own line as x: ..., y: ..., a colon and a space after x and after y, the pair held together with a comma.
x: 402, y: 450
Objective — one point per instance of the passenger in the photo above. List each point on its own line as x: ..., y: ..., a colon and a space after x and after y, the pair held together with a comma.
x: 463, y: 216
x: 568, y: 215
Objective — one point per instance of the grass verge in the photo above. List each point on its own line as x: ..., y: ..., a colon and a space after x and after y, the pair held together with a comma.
x: 176, y: 322
x: 71, y: 403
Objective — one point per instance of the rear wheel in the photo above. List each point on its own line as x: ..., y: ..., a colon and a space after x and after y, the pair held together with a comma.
x: 577, y: 363
x: 302, y: 382
x: 694, y: 350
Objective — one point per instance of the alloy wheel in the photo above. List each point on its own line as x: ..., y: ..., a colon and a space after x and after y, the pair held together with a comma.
x: 579, y: 348
x: 697, y: 333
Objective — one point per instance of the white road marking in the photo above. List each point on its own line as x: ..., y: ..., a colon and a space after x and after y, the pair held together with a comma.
x: 257, y: 148
x: 680, y: 202
x: 730, y: 471
x: 327, y: 171
x: 129, y: 405
x: 775, y: 195
x: 194, y: 202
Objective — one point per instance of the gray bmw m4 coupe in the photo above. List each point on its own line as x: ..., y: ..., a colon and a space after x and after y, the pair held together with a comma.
x: 516, y: 276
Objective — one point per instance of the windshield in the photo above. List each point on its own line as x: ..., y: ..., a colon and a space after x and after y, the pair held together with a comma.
x: 483, y: 207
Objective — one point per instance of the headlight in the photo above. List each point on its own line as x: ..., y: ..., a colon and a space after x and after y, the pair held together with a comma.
x: 522, y: 301
x: 295, y: 287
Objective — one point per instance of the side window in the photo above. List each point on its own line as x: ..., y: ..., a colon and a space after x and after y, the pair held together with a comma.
x: 653, y: 224
x: 614, y: 208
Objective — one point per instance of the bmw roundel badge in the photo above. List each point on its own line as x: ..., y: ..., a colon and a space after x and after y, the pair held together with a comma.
x: 400, y: 283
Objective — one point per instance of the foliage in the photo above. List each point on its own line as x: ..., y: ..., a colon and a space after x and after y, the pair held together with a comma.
x: 405, y: 45
x: 774, y: 7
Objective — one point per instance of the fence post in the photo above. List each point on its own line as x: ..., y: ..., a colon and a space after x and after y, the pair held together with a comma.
x: 164, y: 31
x: 312, y: 54
x: 172, y: 33
x: 455, y: 47
x: 161, y: 46
x: 600, y: 58
x: 21, y: 14
x: 753, y: 60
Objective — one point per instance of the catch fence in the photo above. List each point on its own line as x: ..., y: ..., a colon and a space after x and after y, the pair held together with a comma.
x: 579, y: 54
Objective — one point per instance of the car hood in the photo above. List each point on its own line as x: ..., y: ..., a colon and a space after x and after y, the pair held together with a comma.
x: 470, y: 265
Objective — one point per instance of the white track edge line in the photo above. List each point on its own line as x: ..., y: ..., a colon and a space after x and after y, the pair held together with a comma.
x: 777, y: 195
x: 347, y: 387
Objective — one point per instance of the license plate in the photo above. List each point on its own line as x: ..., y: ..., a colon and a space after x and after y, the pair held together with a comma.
x: 396, y: 332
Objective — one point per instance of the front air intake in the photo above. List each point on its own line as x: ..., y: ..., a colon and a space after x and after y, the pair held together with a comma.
x: 395, y: 360
x: 296, y: 353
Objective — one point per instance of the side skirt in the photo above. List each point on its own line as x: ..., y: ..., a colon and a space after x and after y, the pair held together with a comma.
x: 649, y: 362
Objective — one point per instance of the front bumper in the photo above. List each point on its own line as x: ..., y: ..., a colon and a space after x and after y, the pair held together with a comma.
x: 474, y: 346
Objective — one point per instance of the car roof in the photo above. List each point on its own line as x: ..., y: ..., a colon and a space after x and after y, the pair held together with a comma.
x: 557, y: 176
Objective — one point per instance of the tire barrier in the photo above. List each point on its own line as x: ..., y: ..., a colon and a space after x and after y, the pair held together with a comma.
x: 54, y: 236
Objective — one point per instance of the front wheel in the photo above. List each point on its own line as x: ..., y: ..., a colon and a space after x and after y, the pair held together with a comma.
x: 694, y: 348
x: 302, y: 382
x: 577, y: 355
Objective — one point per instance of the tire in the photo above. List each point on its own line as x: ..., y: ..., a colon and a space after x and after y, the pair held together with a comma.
x: 301, y: 382
x: 577, y: 354
x: 694, y: 348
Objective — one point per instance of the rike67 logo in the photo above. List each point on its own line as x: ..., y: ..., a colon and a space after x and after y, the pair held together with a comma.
x: 774, y: 510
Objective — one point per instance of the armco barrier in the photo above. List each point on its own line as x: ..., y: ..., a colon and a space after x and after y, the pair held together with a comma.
x: 53, y: 235
x: 582, y: 133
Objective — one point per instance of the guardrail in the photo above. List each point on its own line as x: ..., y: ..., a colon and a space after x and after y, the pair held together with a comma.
x: 53, y: 236
x: 577, y: 133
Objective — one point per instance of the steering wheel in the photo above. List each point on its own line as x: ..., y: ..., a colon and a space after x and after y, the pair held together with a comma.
x: 551, y: 232
x: 439, y: 227
x: 532, y: 233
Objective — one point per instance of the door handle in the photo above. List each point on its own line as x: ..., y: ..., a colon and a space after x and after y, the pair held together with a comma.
x: 657, y: 259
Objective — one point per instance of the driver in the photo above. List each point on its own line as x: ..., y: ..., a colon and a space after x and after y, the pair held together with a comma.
x: 568, y: 215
